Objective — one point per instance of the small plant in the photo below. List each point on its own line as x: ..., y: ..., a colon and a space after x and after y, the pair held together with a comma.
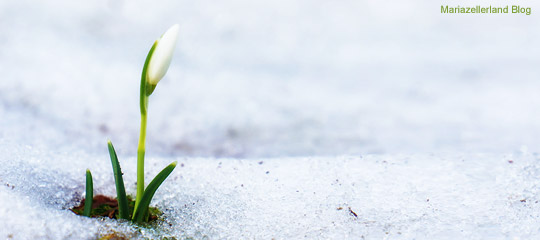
x: 155, y: 66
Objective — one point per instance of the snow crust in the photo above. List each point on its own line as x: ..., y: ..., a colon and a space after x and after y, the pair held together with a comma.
x: 288, y: 119
x: 473, y: 196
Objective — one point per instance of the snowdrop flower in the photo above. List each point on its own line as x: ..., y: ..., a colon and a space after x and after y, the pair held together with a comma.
x: 162, y: 55
x: 155, y: 67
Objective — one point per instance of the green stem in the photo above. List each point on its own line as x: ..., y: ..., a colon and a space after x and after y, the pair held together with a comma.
x: 142, y: 137
x: 140, y: 161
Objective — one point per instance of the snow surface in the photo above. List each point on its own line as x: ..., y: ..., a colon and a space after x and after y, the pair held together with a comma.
x: 289, y: 119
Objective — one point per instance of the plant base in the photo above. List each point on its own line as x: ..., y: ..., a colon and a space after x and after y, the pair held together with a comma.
x: 103, y: 206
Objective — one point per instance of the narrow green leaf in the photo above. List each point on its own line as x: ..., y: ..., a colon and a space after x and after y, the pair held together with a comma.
x: 120, y: 189
x: 144, y: 91
x: 142, y: 209
x: 89, y: 194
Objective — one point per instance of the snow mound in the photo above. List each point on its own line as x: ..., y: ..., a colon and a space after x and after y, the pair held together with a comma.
x: 473, y: 196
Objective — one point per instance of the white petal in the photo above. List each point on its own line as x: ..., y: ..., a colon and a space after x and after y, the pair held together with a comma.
x: 162, y: 56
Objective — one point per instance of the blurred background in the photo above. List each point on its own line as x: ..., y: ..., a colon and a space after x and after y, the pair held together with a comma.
x: 271, y: 78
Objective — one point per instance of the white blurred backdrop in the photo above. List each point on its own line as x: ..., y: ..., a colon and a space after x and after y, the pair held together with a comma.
x: 271, y: 78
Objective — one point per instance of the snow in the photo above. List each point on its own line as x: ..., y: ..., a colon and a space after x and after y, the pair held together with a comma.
x: 289, y: 119
x: 474, y: 196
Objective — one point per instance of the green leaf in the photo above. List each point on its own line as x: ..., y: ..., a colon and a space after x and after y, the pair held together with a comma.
x: 89, y: 194
x: 123, y: 211
x: 142, y: 209
x: 145, y: 92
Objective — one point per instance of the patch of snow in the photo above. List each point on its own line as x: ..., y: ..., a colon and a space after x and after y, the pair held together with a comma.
x: 474, y: 196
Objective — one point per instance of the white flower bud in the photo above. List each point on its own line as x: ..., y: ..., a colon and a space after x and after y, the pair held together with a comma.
x: 162, y: 55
